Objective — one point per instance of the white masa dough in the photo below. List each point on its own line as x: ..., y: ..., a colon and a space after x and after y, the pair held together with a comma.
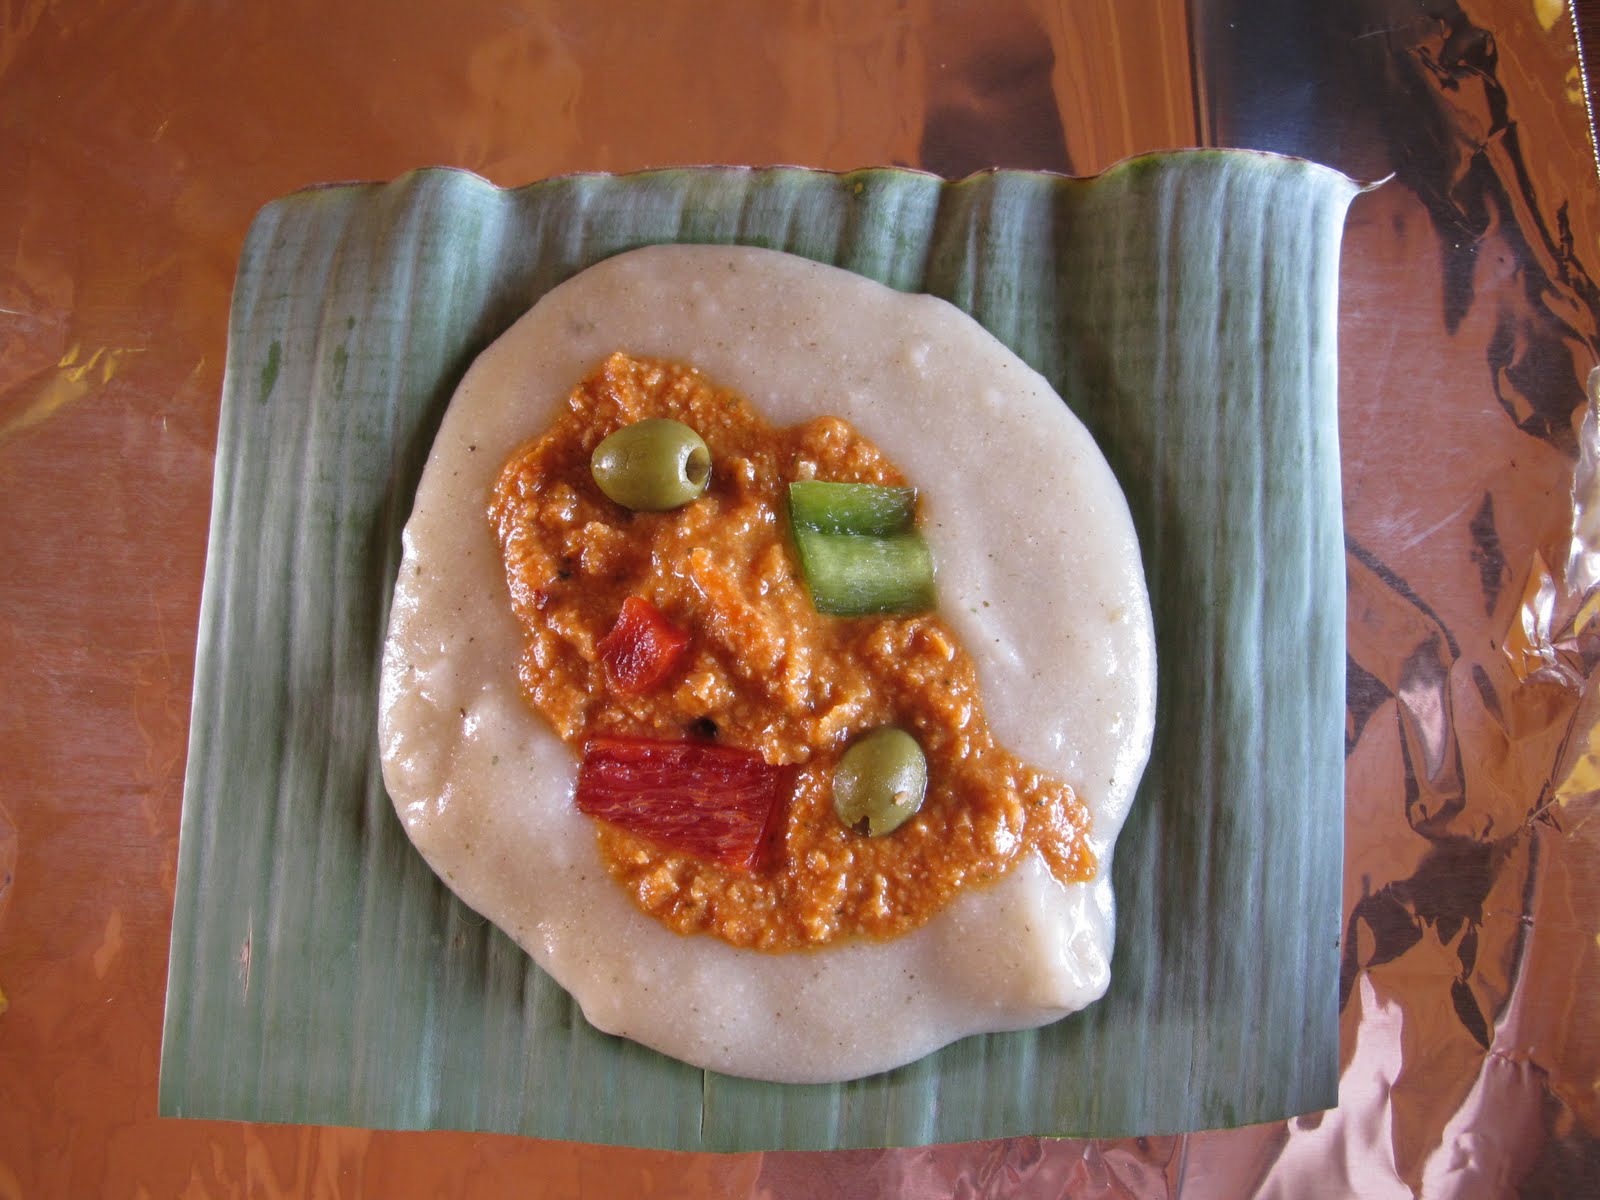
x: 1038, y: 572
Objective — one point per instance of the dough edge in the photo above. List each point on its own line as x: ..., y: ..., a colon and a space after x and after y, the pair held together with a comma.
x: 484, y: 790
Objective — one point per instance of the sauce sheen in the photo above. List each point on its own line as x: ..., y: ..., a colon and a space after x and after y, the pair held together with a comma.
x: 763, y: 669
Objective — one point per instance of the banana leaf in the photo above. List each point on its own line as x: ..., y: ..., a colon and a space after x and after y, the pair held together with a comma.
x: 1183, y: 305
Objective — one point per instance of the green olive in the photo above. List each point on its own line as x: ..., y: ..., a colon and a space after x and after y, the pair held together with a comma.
x: 880, y: 781
x: 652, y: 465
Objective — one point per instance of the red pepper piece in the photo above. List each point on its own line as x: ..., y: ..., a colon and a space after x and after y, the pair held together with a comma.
x: 642, y: 647
x: 712, y: 802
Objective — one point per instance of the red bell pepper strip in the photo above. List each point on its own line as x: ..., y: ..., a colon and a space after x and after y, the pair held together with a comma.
x: 642, y: 647
x: 709, y: 801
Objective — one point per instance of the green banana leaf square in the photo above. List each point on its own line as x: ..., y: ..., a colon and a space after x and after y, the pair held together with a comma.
x: 1183, y: 305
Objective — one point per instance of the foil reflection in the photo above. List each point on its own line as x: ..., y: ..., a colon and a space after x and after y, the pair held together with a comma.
x: 1470, y: 948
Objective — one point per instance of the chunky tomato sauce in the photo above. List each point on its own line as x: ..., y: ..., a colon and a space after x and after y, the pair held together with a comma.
x: 762, y: 670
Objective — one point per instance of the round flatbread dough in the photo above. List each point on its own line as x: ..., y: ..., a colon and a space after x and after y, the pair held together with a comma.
x: 1038, y: 573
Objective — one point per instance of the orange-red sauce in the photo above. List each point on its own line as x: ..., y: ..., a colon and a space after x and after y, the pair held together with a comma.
x: 763, y: 668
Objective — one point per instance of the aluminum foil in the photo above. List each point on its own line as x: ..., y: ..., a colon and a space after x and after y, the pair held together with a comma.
x: 137, y: 140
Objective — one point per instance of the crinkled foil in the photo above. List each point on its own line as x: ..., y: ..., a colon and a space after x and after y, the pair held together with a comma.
x: 136, y: 141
